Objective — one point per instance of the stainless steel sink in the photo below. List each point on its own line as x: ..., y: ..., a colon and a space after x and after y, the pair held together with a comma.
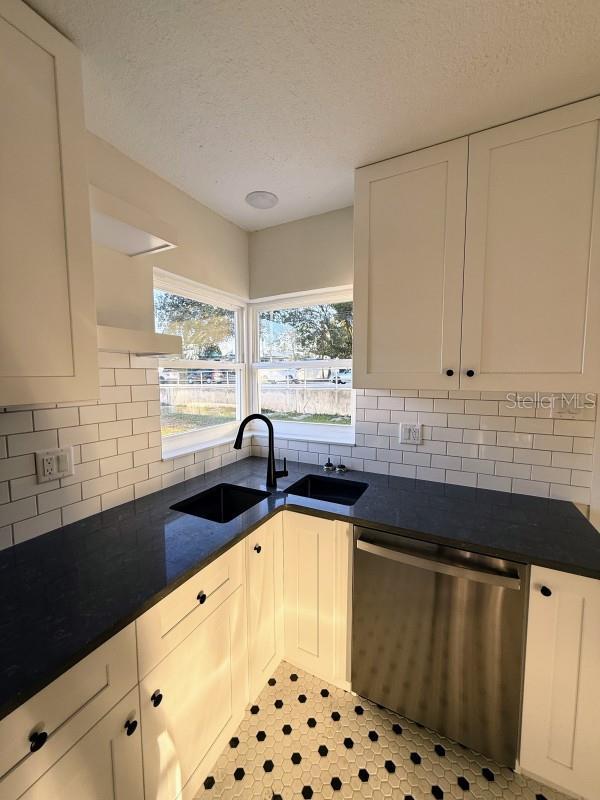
x: 331, y: 490
x: 221, y: 503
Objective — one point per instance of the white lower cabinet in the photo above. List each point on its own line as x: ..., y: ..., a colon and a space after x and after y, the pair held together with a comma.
x: 106, y: 764
x: 193, y: 700
x: 316, y: 595
x: 264, y: 583
x: 560, y: 737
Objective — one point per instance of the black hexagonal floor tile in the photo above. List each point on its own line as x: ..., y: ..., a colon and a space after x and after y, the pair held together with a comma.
x: 293, y: 677
x: 373, y: 736
x: 359, y: 710
x: 296, y: 758
x: 254, y: 709
x: 397, y: 729
x: 268, y: 765
x: 209, y: 782
x: 323, y: 750
x: 278, y: 703
x: 336, y: 716
x: 336, y: 784
x: 234, y: 741
x: 540, y: 796
x: 415, y: 758
x: 437, y: 792
x: 311, y: 722
x: 286, y: 730
x: 261, y: 736
x: 324, y: 692
x: 272, y: 681
x: 302, y: 698
x: 363, y: 774
x: 488, y: 774
x: 348, y: 743
x: 463, y: 784
x: 440, y: 750
x: 239, y: 774
x: 307, y: 792
x: 277, y: 797
x: 390, y: 766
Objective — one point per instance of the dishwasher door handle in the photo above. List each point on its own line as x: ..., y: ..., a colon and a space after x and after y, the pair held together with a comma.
x: 443, y: 567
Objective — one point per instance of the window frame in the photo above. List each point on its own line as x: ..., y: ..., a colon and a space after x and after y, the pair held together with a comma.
x: 322, y: 432
x: 181, y: 443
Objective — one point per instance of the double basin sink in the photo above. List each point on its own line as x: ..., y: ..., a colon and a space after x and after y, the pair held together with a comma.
x: 226, y: 501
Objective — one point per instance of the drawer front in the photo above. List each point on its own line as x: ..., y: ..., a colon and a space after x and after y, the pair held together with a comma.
x: 66, y: 709
x: 168, y: 623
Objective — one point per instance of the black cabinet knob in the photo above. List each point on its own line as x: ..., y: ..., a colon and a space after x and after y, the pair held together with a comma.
x: 546, y: 591
x: 470, y: 373
x: 257, y: 548
x: 131, y: 726
x: 156, y: 698
x: 37, y: 740
x: 449, y: 372
x: 202, y: 598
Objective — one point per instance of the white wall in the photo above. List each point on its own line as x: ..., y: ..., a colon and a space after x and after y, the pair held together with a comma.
x: 311, y: 253
x: 211, y: 249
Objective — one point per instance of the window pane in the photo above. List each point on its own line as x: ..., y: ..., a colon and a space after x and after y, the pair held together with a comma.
x: 192, y: 399
x: 307, y: 395
x: 208, y: 332
x: 306, y: 333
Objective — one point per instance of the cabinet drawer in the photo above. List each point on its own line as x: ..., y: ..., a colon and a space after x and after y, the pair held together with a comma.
x: 168, y: 623
x: 66, y: 709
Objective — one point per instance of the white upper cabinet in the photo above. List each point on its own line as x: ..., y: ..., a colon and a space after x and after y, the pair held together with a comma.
x: 409, y: 231
x: 528, y: 312
x: 532, y: 263
x: 47, y: 313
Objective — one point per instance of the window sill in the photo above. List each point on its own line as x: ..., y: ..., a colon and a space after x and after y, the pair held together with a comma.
x: 184, y: 450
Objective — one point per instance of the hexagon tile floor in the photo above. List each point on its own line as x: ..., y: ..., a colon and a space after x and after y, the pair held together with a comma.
x: 304, y: 738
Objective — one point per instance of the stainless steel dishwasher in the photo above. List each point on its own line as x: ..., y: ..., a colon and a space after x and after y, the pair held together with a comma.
x: 438, y: 636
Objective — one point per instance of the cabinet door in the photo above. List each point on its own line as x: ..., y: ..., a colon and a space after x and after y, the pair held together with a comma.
x: 105, y: 765
x: 47, y: 314
x: 265, y: 602
x: 409, y: 233
x: 560, y: 737
x: 532, y: 258
x: 309, y: 593
x: 200, y: 690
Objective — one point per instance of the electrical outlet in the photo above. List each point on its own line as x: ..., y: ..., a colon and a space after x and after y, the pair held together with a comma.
x: 50, y: 465
x: 411, y: 434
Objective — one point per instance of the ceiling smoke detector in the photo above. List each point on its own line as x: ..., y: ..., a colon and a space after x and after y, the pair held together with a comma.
x: 261, y: 199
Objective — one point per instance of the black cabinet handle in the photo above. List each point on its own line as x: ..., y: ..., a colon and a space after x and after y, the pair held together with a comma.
x: 470, y: 373
x: 257, y: 548
x: 449, y: 372
x: 156, y: 698
x: 546, y: 591
x: 201, y: 598
x: 37, y: 740
x: 130, y: 726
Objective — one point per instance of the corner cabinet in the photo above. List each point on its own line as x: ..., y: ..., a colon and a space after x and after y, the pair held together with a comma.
x: 48, y: 349
x: 316, y: 569
x: 264, y: 584
x: 560, y: 736
x: 409, y: 230
x: 506, y: 298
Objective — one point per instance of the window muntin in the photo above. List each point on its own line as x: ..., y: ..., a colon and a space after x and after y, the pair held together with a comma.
x: 201, y: 393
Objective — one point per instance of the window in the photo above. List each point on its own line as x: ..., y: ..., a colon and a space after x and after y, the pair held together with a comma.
x: 303, y: 364
x: 202, y: 392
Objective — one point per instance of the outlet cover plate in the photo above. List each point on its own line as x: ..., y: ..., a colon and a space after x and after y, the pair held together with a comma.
x: 411, y: 434
x: 50, y: 465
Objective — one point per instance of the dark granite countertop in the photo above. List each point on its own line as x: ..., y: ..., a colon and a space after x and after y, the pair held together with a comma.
x: 66, y: 592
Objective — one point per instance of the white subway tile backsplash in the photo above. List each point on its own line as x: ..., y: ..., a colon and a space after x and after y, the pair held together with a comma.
x: 101, y: 413
x: 562, y: 443
x: 541, y: 457
x: 537, y: 488
x: 461, y: 478
x: 16, y: 467
x: 98, y: 486
x: 54, y: 418
x: 77, y: 511
x: 568, y: 427
x: 21, y: 443
x: 82, y: 434
x: 35, y: 526
x: 117, y: 497
x: 60, y: 497
x: 572, y: 460
x: 508, y: 470
x: 16, y: 422
x: 15, y: 512
x: 29, y: 486
x: 96, y: 450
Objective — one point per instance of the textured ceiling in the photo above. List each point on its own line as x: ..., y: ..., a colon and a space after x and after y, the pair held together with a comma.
x: 221, y: 97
